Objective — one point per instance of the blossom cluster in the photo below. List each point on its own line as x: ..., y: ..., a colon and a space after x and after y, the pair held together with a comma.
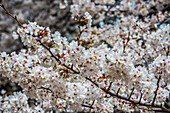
x: 17, y: 103
x: 56, y: 71
x: 126, y: 65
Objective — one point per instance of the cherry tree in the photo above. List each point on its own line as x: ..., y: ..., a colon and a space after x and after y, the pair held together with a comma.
x: 118, y: 59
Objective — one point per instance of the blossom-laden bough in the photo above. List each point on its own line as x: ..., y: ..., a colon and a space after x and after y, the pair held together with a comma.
x: 66, y: 76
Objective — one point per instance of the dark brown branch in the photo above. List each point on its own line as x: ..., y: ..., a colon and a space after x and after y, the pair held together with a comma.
x: 72, y: 66
x: 140, y: 97
x: 92, y: 103
x: 167, y: 52
x: 7, y: 12
x: 14, y: 17
x: 110, y: 86
x: 57, y: 59
x: 118, y: 92
x: 87, y: 106
x: 48, y: 89
x: 127, y: 99
x: 105, y: 42
x: 124, y: 45
x: 156, y: 90
x: 131, y: 93
x: 165, y: 109
x: 165, y: 20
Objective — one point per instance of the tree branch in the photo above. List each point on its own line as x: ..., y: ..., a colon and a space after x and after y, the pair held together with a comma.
x: 127, y: 99
x: 48, y: 89
x: 156, y: 90
x: 131, y: 93
x: 7, y: 12
x: 57, y: 59
x: 110, y: 86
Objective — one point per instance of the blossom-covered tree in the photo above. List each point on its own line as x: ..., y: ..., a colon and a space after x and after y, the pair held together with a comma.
x: 118, y: 59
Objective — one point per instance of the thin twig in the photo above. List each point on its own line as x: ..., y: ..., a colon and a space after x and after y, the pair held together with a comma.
x: 48, y: 89
x: 156, y: 90
x: 118, y: 91
x: 57, y: 59
x: 105, y: 42
x: 93, y: 103
x: 7, y: 12
x: 140, y: 97
x: 87, y: 106
x: 124, y: 45
x: 165, y: 20
x: 127, y: 99
x: 110, y: 86
x: 131, y: 93
x: 79, y: 35
x: 167, y: 52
